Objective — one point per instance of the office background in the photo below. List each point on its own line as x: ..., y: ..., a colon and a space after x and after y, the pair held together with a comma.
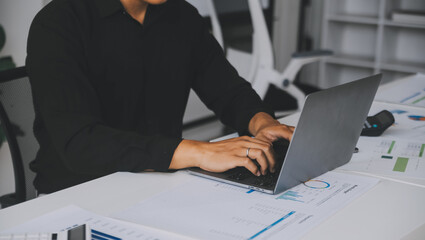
x: 361, y: 33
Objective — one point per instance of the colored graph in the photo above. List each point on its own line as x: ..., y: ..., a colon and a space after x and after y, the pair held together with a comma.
x: 418, y: 100
x: 290, y: 195
x: 391, y: 147
x: 416, y: 118
x: 396, y: 111
x: 400, y: 164
x: 385, y: 146
x: 410, y: 97
x: 317, y: 184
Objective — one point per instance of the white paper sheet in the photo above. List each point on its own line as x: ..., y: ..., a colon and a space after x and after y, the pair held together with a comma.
x: 390, y: 157
x: 73, y: 216
x: 409, y: 121
x: 409, y: 90
x: 208, y: 209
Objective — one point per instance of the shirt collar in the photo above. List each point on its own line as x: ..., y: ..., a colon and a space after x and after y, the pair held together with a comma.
x: 154, y: 12
x: 166, y: 10
x: 108, y: 7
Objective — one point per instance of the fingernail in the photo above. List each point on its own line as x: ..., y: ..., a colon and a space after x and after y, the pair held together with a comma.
x: 258, y: 173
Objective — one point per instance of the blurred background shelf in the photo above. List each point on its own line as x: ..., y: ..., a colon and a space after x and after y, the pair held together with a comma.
x: 353, y: 19
x: 351, y: 61
x: 367, y: 40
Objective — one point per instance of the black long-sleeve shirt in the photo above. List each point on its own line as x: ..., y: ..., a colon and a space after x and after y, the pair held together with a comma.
x: 110, y: 93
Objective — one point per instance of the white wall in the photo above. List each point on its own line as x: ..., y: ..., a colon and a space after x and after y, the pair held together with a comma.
x: 16, y: 17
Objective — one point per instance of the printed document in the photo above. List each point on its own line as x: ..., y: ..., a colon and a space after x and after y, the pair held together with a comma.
x: 409, y: 121
x: 409, y: 91
x: 390, y: 157
x: 73, y: 216
x: 206, y: 209
x: 399, y: 151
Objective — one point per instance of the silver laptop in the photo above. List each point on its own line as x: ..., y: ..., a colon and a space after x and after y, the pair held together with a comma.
x: 324, y: 139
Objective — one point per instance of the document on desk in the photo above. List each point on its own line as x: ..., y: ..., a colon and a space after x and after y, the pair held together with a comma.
x: 104, y: 227
x: 207, y: 209
x: 409, y: 91
x: 389, y: 156
x: 409, y: 121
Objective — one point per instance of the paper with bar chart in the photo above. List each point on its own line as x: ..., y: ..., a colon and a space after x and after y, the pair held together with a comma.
x: 206, y: 209
x: 409, y: 91
x: 389, y: 156
x: 409, y: 120
x: 101, y: 227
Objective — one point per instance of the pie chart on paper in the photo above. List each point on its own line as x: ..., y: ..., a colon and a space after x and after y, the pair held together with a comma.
x: 416, y: 118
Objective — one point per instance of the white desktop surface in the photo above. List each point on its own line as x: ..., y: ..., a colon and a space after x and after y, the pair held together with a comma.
x: 391, y: 210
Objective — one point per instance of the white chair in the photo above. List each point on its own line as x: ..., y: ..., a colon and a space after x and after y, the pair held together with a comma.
x: 261, y: 72
x: 258, y: 67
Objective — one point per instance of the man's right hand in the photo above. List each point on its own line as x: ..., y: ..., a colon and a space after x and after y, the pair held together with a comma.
x: 224, y: 155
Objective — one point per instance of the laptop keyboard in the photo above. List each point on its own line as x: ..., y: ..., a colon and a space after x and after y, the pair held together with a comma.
x: 264, y: 181
x: 239, y: 174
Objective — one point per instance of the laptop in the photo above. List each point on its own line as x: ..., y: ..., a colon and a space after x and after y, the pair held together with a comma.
x: 324, y: 139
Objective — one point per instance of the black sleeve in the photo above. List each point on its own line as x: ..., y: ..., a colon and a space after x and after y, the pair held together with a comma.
x: 221, y: 88
x: 68, y: 106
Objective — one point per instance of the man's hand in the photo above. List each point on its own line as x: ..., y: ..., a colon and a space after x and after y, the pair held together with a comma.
x: 224, y: 155
x: 255, y: 154
x: 268, y: 129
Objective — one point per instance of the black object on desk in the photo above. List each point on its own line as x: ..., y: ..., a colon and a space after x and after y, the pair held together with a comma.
x: 377, y: 124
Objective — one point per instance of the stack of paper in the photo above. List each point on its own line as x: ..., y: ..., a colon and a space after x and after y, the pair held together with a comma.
x: 206, y: 209
x: 407, y: 91
x: 400, y: 151
x: 73, y: 216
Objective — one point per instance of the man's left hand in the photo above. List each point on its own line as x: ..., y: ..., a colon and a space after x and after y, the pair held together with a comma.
x: 264, y: 127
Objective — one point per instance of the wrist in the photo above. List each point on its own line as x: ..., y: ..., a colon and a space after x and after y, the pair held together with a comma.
x: 260, y: 121
x: 189, y: 153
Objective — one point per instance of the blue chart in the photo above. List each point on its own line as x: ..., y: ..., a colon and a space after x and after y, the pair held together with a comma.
x: 317, y: 184
x: 100, y: 235
x: 291, y: 195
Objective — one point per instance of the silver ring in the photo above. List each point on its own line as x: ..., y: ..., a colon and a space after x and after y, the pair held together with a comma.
x: 247, y: 153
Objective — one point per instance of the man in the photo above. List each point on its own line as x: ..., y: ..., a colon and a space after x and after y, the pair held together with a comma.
x: 110, y: 81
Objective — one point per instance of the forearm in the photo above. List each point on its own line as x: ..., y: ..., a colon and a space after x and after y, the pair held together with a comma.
x: 188, y: 154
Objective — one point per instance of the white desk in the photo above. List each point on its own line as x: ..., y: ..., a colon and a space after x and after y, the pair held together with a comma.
x: 391, y: 210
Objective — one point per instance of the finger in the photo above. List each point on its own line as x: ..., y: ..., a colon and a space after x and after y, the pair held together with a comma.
x: 274, y: 133
x: 270, y: 156
x: 266, y: 150
x: 260, y: 157
x: 284, y: 132
x: 248, y: 164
